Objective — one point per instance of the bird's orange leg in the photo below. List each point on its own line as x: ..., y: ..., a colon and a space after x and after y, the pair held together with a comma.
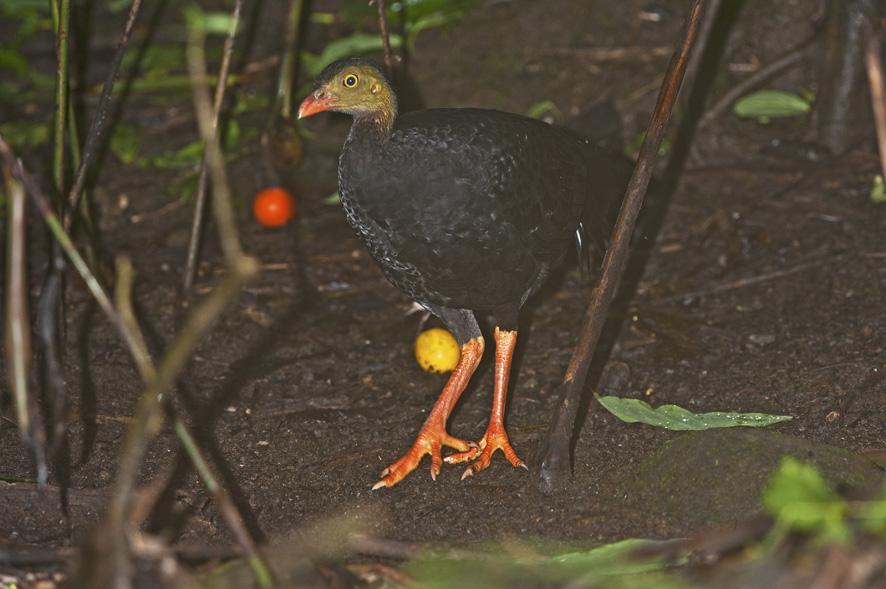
x: 495, y: 438
x: 433, y: 435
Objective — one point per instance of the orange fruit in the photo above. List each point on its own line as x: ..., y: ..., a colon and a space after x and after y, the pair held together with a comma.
x: 274, y: 207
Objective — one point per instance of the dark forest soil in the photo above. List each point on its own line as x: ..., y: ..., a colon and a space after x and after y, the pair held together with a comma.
x: 765, y: 291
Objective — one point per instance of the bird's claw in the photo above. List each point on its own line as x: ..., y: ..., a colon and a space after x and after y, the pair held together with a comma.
x: 481, y: 455
x: 429, y: 441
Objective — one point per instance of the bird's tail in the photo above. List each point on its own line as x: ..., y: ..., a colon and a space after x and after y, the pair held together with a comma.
x: 609, y: 173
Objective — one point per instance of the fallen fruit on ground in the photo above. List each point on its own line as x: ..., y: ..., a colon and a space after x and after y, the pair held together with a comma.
x: 436, y: 350
x: 274, y: 207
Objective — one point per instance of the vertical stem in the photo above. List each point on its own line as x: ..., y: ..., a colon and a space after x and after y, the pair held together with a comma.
x: 203, y: 180
x: 63, y: 22
x: 878, y: 96
x: 97, y: 125
x: 385, y: 36
x: 18, y: 323
x: 553, y: 455
x: 215, y: 162
x: 287, y: 67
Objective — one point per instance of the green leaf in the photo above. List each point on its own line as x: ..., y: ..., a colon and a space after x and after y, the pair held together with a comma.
x: 878, y: 191
x: 770, y: 104
x: 799, y: 498
x: 612, y: 559
x: 355, y: 44
x: 183, y: 157
x: 611, y: 565
x: 332, y: 199
x: 13, y: 61
x: 633, y: 148
x: 25, y: 134
x: 126, y: 142
x: 874, y: 517
x: 157, y: 61
x: 676, y: 418
x: 219, y: 23
x: 116, y: 6
x: 543, y: 107
x: 184, y: 187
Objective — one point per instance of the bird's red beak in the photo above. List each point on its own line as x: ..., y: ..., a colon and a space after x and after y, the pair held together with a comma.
x: 314, y: 103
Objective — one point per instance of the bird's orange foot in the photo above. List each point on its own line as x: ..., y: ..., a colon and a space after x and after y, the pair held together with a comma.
x: 430, y: 440
x: 495, y: 438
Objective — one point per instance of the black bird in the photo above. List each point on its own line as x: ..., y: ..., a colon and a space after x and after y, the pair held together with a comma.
x: 466, y: 211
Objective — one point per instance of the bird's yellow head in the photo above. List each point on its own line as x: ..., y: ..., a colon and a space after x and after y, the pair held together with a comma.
x: 354, y: 86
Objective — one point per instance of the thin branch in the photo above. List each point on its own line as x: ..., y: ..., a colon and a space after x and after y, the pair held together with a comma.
x: 283, y: 101
x: 203, y: 182
x: 149, y: 418
x: 54, y: 223
x: 385, y: 35
x: 97, y: 127
x: 554, y: 450
x: 875, y: 81
x: 62, y: 22
x: 786, y: 61
x: 18, y: 330
x: 221, y: 191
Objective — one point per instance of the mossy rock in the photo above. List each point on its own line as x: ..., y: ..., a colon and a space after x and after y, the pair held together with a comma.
x: 716, y: 477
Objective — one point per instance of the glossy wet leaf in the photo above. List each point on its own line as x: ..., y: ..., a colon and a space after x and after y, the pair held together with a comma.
x: 771, y: 104
x: 799, y: 498
x: 674, y: 417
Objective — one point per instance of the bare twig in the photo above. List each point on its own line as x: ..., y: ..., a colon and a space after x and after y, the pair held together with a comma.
x: 225, y: 506
x: 553, y: 460
x: 203, y: 182
x: 61, y: 20
x: 875, y: 82
x: 696, y: 57
x: 97, y: 127
x: 786, y: 61
x: 18, y: 322
x: 221, y: 191
x: 283, y: 101
x: 149, y: 416
x: 385, y: 35
x: 54, y: 223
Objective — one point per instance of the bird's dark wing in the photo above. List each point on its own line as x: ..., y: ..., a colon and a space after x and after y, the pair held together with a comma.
x: 471, y: 206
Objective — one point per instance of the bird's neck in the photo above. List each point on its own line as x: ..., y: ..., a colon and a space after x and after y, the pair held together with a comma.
x: 377, y: 124
x: 373, y: 127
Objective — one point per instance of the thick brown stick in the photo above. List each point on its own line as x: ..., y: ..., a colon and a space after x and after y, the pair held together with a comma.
x: 553, y: 459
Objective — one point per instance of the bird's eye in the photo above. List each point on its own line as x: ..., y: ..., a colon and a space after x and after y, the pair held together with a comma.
x: 350, y: 81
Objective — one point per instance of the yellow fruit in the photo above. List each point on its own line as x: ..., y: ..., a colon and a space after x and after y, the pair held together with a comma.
x: 436, y: 350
